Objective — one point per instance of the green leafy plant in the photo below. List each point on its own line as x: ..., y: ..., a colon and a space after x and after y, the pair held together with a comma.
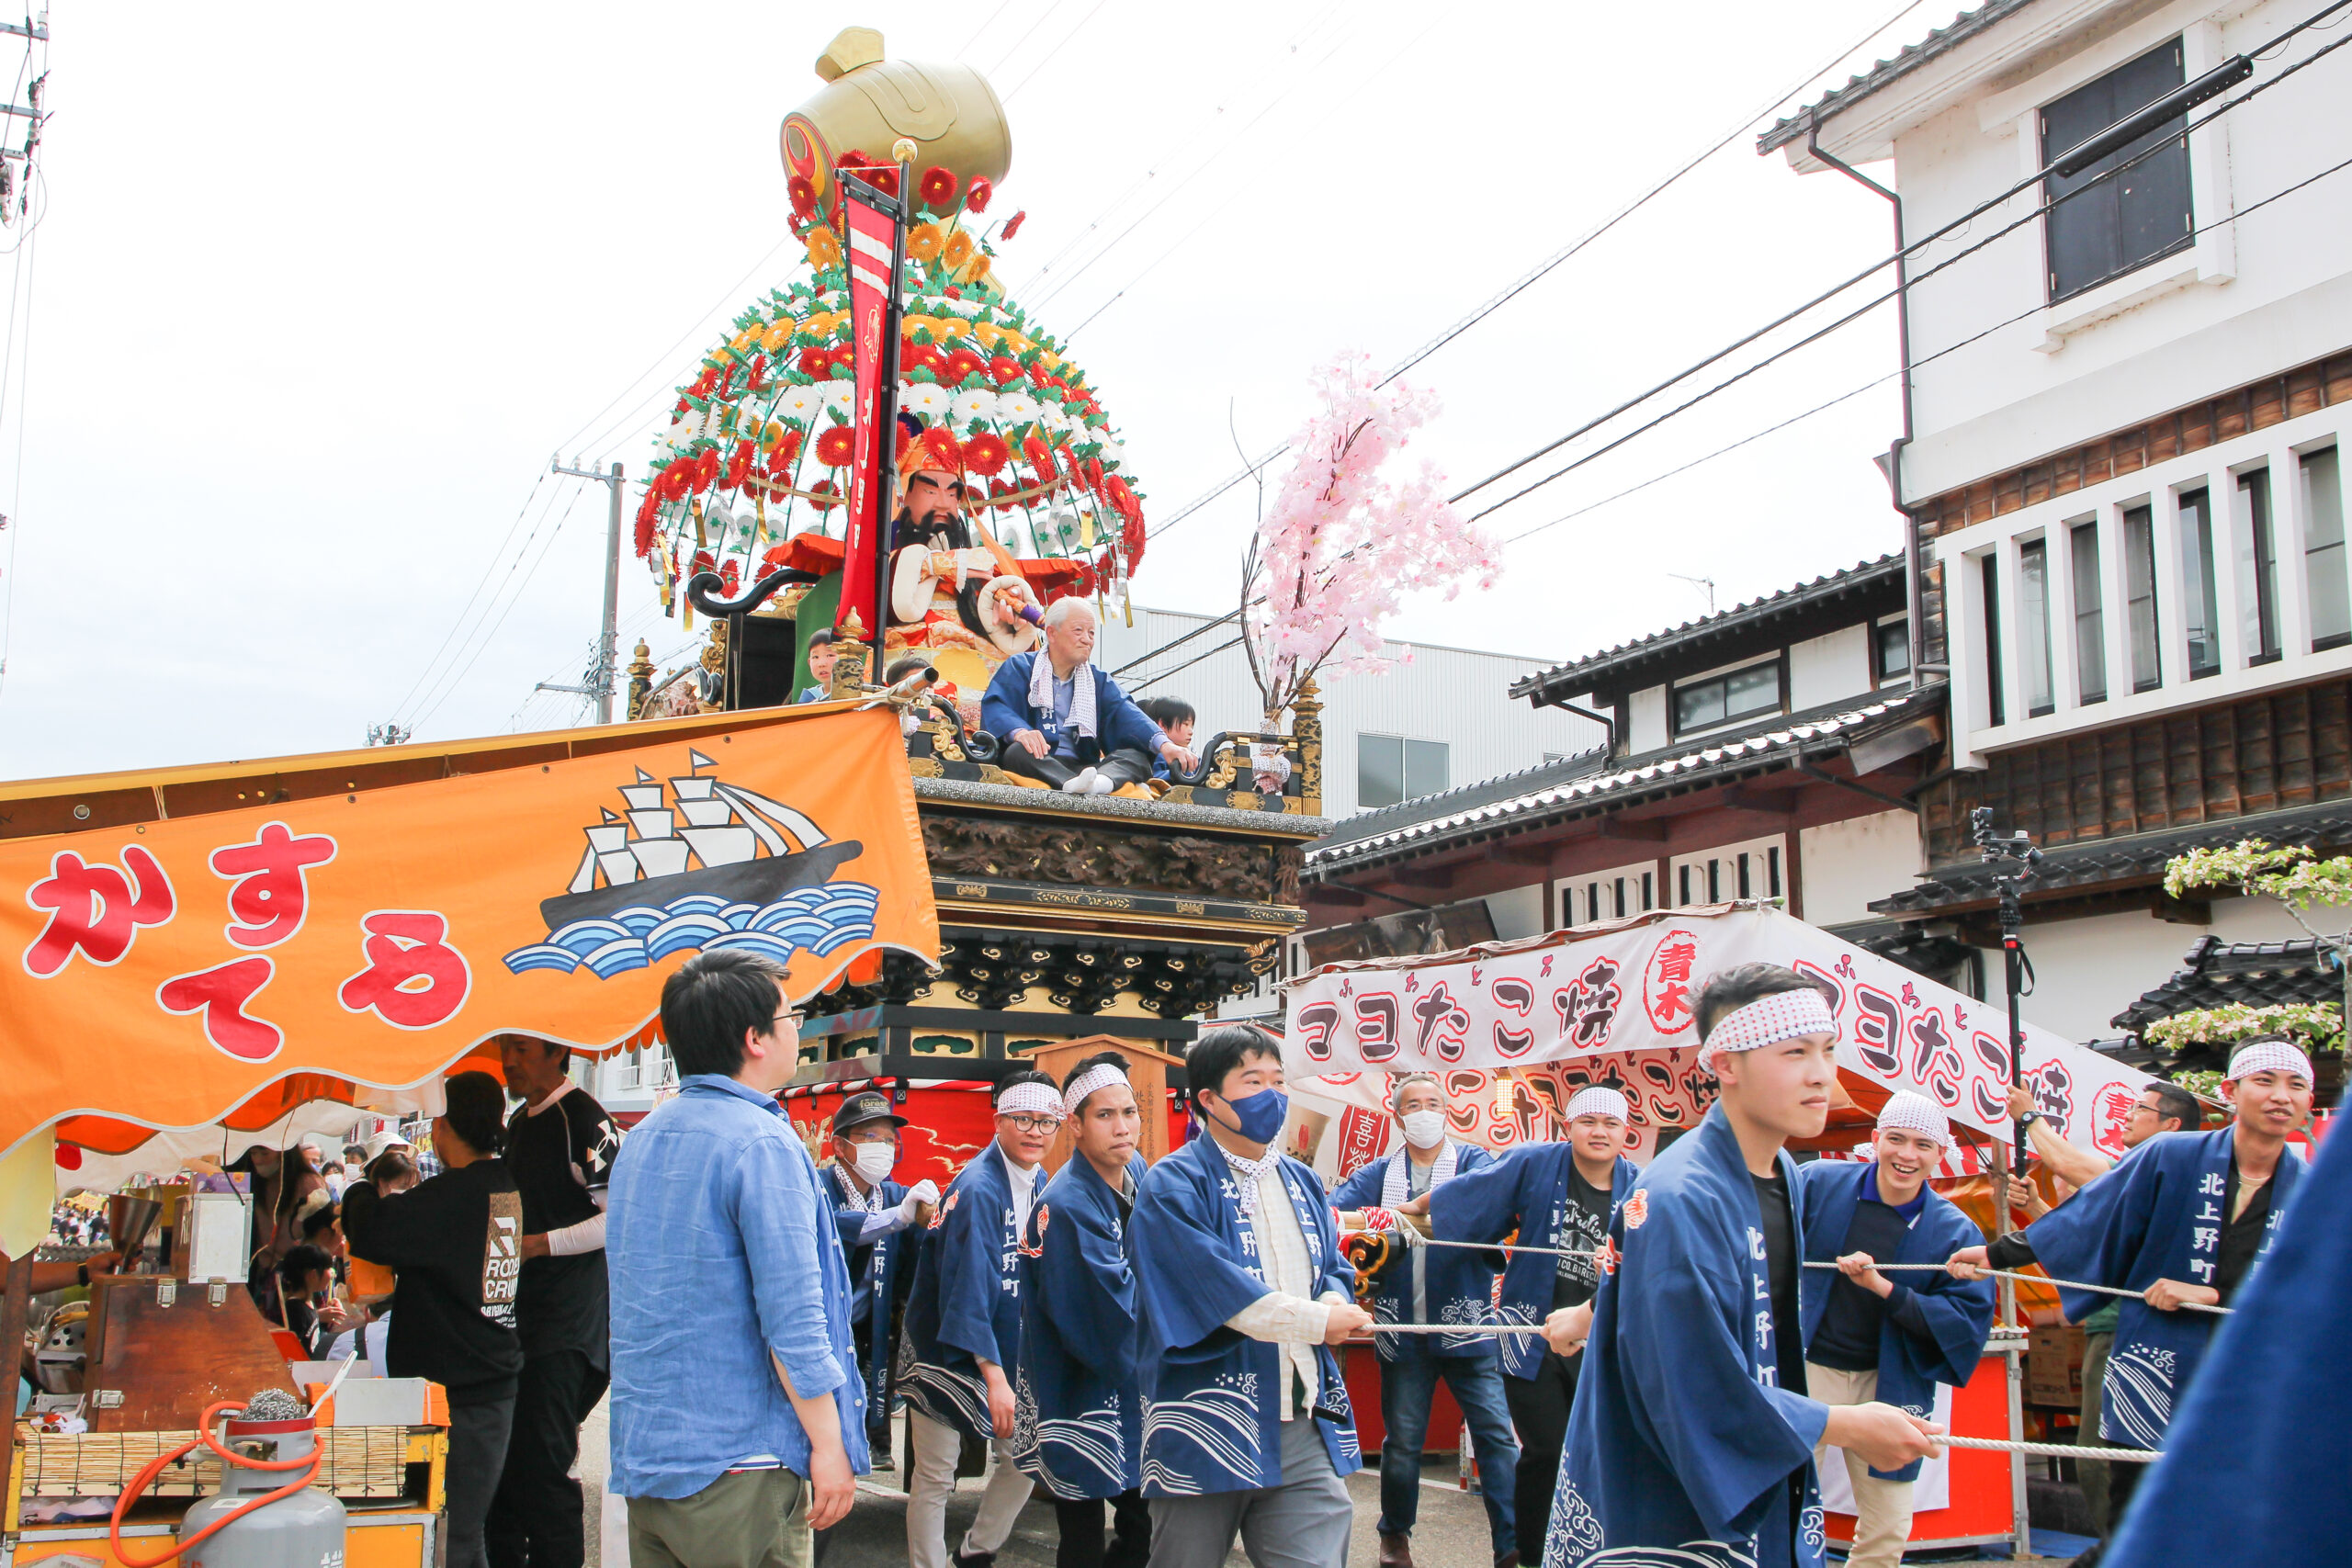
x: 2313, y: 1026
x: 2301, y: 883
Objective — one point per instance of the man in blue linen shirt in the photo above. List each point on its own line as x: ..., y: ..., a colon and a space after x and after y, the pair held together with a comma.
x: 1067, y: 723
x: 737, y: 1419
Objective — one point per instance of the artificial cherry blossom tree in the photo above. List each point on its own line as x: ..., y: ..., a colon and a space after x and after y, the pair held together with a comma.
x: 1345, y: 539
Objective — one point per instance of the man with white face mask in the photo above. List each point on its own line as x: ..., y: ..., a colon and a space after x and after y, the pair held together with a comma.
x: 871, y: 1209
x: 1431, y: 1285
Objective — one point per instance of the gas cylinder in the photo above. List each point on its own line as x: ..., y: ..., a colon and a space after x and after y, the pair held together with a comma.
x: 304, y: 1531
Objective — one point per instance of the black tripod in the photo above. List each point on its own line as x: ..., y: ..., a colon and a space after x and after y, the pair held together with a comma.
x: 2016, y: 848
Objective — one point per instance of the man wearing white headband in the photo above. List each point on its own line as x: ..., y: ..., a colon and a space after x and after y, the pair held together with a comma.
x: 1869, y: 1336
x: 1079, y: 1369
x: 964, y: 1322
x: 1694, y: 1433
x: 2183, y: 1219
x: 1431, y: 1285
x: 1556, y: 1195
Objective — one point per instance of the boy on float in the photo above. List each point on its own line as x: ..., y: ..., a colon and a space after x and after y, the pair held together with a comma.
x: 2184, y: 1218
x: 1078, y: 1423
x: 1559, y: 1195
x: 964, y: 1324
x: 1435, y: 1285
x: 1692, y: 1432
x: 1873, y: 1336
x: 1245, y: 1298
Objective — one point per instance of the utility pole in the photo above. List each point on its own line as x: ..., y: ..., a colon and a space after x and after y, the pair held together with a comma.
x: 599, y: 680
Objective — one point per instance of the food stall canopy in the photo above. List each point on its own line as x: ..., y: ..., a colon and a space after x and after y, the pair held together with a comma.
x: 1610, y: 1003
x: 350, y: 926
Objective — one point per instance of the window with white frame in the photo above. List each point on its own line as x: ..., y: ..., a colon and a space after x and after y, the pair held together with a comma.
x: 2140, y: 596
x: 2033, y: 628
x: 1749, y: 869
x: 2104, y: 223
x: 2258, y: 566
x: 2090, y: 613
x: 1393, y: 769
x: 1996, y: 701
x: 1608, y: 894
x: 2200, y: 603
x: 2324, y: 566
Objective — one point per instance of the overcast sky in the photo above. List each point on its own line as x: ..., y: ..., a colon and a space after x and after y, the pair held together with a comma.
x: 316, y: 290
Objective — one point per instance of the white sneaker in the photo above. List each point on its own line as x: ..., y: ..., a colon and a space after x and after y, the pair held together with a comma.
x: 1104, y: 785
x: 1081, y: 782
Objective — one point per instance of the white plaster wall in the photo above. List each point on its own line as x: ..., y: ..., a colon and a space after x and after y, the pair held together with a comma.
x: 2259, y: 294
x: 1829, y: 669
x: 1646, y: 719
x: 1843, y: 865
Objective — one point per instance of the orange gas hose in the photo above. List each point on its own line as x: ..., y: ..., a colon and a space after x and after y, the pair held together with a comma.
x: 204, y: 1438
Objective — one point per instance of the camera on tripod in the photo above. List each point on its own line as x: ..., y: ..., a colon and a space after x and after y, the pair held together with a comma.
x: 1997, y: 847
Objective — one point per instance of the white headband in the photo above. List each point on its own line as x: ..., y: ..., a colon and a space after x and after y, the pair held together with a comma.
x: 1030, y: 1100
x: 2268, y: 1057
x: 1915, y: 1113
x: 1596, y: 1100
x: 1102, y: 1074
x: 1767, y: 1020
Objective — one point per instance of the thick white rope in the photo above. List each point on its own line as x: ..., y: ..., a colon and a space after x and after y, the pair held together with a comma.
x: 1485, y: 1329
x: 2056, y: 1451
x: 2041, y: 1280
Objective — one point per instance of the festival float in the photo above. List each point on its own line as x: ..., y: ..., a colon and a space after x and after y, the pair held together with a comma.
x: 1067, y: 924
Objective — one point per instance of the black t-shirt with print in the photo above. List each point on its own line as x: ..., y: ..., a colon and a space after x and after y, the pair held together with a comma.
x: 1584, y: 1227
x: 562, y: 1160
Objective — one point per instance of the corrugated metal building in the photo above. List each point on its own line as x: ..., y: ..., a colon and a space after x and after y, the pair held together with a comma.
x: 1441, y: 717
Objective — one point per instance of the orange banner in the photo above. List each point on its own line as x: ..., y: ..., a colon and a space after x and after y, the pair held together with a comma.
x: 164, y: 972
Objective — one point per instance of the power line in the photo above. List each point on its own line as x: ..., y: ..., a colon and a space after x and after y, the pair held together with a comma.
x: 1963, y: 220
x: 1015, y: 90
x: 1547, y: 265
x: 1843, y: 322
x: 487, y: 628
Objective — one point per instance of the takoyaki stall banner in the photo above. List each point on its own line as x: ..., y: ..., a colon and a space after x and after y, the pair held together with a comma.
x: 167, y: 971
x: 1620, y: 992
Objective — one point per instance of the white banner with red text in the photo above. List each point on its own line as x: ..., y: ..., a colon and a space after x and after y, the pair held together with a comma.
x: 1612, y: 1004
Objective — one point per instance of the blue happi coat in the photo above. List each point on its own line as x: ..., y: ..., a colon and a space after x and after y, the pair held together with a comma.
x: 1077, y: 1425
x: 2250, y: 1468
x: 1959, y: 1311
x: 2158, y: 1215
x: 1681, y: 1439
x: 1213, y: 1397
x: 879, y: 1273
x: 965, y: 1305
x: 1456, y: 1284
x: 1526, y: 1191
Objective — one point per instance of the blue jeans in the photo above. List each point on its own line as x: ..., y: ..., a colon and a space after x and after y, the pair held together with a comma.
x: 1406, y: 1385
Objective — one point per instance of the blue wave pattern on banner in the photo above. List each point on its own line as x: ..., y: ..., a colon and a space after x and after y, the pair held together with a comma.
x: 812, y: 920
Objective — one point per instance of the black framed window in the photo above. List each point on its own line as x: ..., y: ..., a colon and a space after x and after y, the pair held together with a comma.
x: 1719, y: 699
x: 1996, y: 702
x: 1891, y: 646
x: 2125, y: 221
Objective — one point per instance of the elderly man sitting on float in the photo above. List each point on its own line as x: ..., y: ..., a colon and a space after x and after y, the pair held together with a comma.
x: 1065, y: 722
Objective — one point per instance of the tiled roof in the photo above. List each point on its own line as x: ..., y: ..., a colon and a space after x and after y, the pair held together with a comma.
x: 2137, y: 859
x: 1716, y: 638
x: 1942, y: 40
x: 1580, y: 786
x: 2257, y: 973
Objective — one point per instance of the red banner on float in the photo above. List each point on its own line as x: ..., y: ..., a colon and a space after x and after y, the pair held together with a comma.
x: 871, y: 220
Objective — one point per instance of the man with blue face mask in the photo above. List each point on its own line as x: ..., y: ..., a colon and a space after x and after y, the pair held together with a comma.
x: 1421, y: 1284
x: 1244, y: 1297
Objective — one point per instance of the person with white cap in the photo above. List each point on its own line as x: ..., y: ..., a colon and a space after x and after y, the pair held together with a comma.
x: 963, y: 1327
x: 2183, y: 1219
x: 1869, y: 1335
x: 1693, y: 1435
x: 1431, y: 1285
x: 1555, y: 1195
x: 1080, y: 1386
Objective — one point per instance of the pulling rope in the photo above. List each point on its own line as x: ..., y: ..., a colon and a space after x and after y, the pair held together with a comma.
x: 1478, y: 1328
x: 2041, y: 1280
x: 2056, y: 1451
